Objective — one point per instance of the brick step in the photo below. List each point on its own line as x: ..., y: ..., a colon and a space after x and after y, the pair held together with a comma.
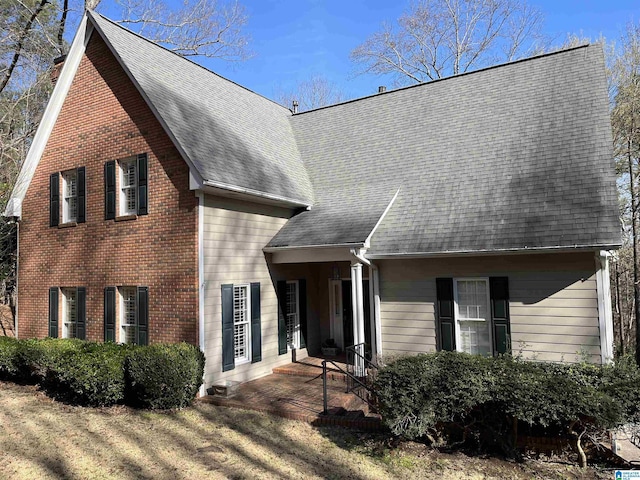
x: 308, y: 371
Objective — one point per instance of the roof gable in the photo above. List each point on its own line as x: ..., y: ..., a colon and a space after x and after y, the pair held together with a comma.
x: 231, y: 136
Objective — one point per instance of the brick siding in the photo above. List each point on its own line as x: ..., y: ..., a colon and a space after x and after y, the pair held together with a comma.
x: 105, y: 118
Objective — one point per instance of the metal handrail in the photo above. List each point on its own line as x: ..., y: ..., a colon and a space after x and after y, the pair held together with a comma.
x: 352, y: 379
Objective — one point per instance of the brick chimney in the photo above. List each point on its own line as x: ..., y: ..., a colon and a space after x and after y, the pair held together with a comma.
x: 58, y: 62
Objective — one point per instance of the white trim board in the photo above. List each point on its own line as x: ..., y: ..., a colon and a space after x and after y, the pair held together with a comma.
x: 49, y: 118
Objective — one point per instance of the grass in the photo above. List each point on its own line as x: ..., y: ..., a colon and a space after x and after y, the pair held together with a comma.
x: 45, y: 439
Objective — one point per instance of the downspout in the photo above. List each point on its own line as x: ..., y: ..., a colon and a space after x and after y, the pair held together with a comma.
x: 605, y: 320
x: 201, y: 281
x: 15, y: 326
x: 374, y: 296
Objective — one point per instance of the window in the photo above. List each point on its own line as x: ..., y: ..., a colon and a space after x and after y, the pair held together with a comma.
x: 292, y: 319
x: 473, y: 315
x: 71, y: 200
x: 128, y: 187
x: 70, y: 196
x: 241, y: 331
x: 241, y: 324
x: 128, y: 320
x: 69, y: 312
x: 473, y: 320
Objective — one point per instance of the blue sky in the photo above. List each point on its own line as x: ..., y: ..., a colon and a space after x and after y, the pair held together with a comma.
x: 294, y: 40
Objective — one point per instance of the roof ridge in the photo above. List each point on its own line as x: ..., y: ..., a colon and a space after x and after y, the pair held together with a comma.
x: 458, y: 75
x: 92, y: 12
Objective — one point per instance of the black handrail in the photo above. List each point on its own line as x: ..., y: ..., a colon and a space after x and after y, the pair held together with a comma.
x: 354, y: 382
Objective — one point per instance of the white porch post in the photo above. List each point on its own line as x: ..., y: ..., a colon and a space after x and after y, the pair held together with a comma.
x: 357, y: 303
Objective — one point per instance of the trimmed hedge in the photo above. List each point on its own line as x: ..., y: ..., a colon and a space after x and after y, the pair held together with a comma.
x: 92, y: 375
x: 452, y: 397
x: 102, y: 374
x: 164, y: 376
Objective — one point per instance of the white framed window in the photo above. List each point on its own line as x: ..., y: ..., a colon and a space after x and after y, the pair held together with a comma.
x: 241, y: 324
x: 128, y: 320
x: 292, y: 318
x: 70, y: 196
x: 473, y: 315
x: 128, y: 186
x: 69, y: 312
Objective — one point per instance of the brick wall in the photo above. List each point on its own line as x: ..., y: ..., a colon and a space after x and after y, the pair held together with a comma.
x: 105, y: 118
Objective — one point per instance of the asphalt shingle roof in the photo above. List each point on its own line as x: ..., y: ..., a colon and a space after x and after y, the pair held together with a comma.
x: 231, y: 135
x: 511, y: 157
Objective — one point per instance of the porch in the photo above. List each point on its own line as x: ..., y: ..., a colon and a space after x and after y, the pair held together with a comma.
x: 295, y: 391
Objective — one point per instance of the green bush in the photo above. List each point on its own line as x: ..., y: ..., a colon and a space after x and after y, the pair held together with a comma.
x: 36, y: 356
x: 9, y: 366
x: 451, y: 397
x: 164, y: 376
x: 90, y: 375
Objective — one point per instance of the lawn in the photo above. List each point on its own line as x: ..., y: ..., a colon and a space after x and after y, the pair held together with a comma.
x: 45, y: 439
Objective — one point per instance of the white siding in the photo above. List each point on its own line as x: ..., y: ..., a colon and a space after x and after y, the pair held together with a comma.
x: 553, y: 303
x: 234, y: 234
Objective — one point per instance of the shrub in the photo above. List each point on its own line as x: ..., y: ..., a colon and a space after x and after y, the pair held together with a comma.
x: 451, y: 397
x: 9, y: 366
x: 164, y: 376
x: 35, y: 357
x: 90, y: 375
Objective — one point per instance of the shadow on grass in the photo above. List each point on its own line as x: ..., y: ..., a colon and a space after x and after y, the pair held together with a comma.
x: 53, y: 440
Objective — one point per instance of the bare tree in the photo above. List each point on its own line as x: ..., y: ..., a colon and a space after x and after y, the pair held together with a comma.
x: 316, y: 92
x: 437, y: 38
x: 208, y: 28
x: 625, y: 119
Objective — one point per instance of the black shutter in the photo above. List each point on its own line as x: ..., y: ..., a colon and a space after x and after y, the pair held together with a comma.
x: 110, y: 314
x: 302, y: 307
x: 256, y: 332
x: 142, y: 185
x: 446, y: 322
x: 54, y: 199
x: 110, y: 190
x: 499, y: 293
x: 142, y: 316
x: 281, y: 291
x: 81, y: 313
x: 82, y: 195
x: 228, y: 356
x: 53, y: 312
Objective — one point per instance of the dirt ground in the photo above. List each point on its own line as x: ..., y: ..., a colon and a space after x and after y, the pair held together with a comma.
x: 44, y: 439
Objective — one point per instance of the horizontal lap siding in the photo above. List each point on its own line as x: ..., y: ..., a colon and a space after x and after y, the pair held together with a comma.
x: 234, y: 234
x: 553, y: 303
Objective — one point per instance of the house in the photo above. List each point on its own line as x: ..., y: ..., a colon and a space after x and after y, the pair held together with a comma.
x: 160, y: 202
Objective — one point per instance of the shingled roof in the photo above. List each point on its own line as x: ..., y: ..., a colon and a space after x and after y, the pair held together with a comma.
x: 230, y: 135
x: 512, y: 157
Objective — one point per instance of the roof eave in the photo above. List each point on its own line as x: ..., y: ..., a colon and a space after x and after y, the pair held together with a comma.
x: 494, y: 252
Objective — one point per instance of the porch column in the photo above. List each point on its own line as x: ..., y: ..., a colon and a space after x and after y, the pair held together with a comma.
x: 357, y: 306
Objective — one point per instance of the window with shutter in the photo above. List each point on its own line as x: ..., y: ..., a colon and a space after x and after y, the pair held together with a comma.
x: 473, y: 315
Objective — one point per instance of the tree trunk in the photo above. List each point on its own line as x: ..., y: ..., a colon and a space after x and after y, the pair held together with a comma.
x: 636, y: 287
x: 619, y: 310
